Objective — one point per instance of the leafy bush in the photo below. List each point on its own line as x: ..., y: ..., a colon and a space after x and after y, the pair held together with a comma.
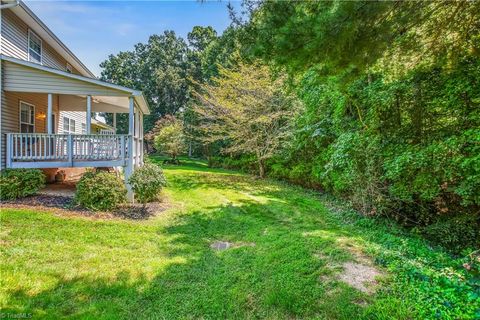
x: 147, y: 182
x: 245, y: 163
x: 18, y: 183
x: 100, y: 191
x: 170, y: 139
x: 455, y: 233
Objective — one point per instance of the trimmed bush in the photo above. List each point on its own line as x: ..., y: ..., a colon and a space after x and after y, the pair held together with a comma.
x: 19, y: 183
x: 100, y: 191
x: 147, y: 182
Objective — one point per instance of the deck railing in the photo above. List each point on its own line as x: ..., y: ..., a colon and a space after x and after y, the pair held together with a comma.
x: 39, y: 149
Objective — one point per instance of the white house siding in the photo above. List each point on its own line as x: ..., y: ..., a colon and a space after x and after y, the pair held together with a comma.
x: 14, y: 36
x: 78, y: 116
x: 15, y: 43
x: 11, y: 114
x: 21, y: 78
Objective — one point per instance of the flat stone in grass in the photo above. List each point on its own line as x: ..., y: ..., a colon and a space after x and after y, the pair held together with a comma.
x: 224, y: 245
x: 220, y: 245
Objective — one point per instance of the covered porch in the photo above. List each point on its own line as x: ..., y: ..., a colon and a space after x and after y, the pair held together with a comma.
x: 42, y: 145
x: 43, y: 150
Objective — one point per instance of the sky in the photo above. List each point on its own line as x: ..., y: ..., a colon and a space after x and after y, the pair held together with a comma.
x: 95, y: 29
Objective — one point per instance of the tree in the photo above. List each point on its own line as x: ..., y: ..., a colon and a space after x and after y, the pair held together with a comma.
x: 159, y: 68
x: 247, y: 109
x: 159, y: 125
x: 392, y: 104
x: 170, y: 139
x: 339, y: 36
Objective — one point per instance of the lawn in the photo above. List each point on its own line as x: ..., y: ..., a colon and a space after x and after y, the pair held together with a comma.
x: 288, y: 250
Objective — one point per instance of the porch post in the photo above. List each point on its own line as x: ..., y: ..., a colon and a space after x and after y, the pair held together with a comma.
x: 129, y: 166
x: 141, y: 138
x: 115, y: 121
x: 137, y: 136
x: 89, y: 114
x: 49, y: 114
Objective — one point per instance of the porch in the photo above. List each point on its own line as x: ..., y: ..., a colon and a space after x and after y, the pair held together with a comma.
x: 40, y: 150
x: 36, y: 133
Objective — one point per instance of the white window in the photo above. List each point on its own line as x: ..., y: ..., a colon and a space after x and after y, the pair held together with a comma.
x: 84, y: 128
x: 27, y: 117
x: 68, y: 68
x: 68, y: 125
x: 34, y: 48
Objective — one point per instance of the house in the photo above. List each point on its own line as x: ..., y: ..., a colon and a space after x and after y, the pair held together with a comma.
x: 48, y: 97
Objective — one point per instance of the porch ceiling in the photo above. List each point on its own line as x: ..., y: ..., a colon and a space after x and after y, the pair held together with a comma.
x: 99, y: 103
x: 24, y: 76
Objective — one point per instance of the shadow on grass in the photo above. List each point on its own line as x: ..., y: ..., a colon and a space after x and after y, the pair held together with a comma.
x: 287, y: 270
x: 280, y: 276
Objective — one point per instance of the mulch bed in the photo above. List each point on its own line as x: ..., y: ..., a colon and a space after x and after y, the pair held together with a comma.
x: 65, y: 206
x: 139, y: 212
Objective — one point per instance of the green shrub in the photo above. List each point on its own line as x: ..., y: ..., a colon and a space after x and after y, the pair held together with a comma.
x: 147, y: 182
x: 455, y: 233
x: 100, y: 191
x: 18, y: 183
x: 244, y: 163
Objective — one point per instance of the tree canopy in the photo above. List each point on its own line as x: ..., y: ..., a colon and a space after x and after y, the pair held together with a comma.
x: 159, y: 68
x: 248, y: 110
x: 389, y: 94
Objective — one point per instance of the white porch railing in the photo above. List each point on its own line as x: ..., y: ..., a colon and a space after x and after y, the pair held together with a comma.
x: 107, y: 131
x: 40, y: 150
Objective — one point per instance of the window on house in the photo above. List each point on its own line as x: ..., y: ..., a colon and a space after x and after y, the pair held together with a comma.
x: 27, y: 117
x: 34, y: 48
x: 68, y: 125
x: 68, y: 68
x: 84, y: 128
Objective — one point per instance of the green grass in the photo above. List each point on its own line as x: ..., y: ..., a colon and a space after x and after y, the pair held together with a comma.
x: 56, y: 266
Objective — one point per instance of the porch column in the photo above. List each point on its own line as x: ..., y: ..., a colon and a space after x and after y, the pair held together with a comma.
x: 141, y: 138
x: 137, y: 137
x: 49, y: 113
x: 115, y: 121
x: 89, y: 114
x: 129, y: 165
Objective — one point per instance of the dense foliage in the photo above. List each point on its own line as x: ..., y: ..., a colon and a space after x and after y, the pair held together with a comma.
x: 19, y: 183
x: 147, y: 182
x: 159, y: 68
x: 392, y: 106
x: 391, y: 101
x: 100, y: 191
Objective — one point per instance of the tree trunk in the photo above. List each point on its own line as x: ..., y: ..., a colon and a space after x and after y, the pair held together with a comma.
x: 190, y: 149
x: 261, y: 169
x: 206, y: 153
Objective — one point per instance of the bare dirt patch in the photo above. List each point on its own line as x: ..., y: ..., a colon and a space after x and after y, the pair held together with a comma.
x: 360, y: 273
x: 360, y: 276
